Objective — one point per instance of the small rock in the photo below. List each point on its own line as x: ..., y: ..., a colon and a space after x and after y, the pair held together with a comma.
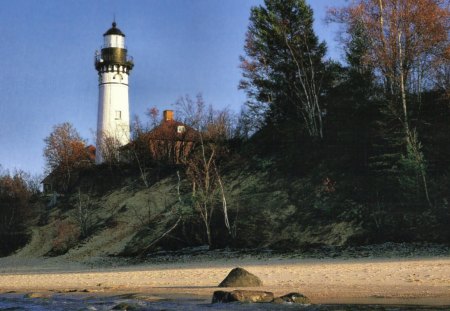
x: 148, y: 298
x: 220, y: 296
x: 292, y: 298
x: 126, y: 306
x: 239, y: 277
x: 68, y: 291
x: 242, y: 296
x: 37, y: 295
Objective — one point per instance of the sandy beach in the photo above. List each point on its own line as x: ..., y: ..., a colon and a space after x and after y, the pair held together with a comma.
x: 396, y: 281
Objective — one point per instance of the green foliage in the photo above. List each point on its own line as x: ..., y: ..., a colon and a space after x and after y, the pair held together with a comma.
x: 409, y: 176
x: 284, y: 67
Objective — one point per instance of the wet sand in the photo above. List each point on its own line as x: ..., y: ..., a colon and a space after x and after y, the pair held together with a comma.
x: 423, y: 281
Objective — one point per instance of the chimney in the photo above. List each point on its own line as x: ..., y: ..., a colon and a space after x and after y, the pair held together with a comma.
x: 167, y: 115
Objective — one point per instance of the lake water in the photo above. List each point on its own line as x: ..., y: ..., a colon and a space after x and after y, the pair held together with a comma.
x: 13, y: 302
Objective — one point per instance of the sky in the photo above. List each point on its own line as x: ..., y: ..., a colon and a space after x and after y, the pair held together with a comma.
x: 180, y: 47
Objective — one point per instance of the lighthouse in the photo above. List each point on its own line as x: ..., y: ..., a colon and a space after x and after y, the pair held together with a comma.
x: 113, y: 66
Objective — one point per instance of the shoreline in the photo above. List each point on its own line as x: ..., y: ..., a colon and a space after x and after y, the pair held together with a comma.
x: 332, y: 280
x: 162, y: 295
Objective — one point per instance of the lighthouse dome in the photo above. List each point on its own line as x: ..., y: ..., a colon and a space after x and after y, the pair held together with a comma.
x: 114, y: 31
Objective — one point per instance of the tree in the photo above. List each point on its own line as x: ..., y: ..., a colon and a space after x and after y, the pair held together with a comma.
x: 110, y: 148
x: 84, y: 215
x: 284, y: 67
x: 203, y: 165
x: 139, y: 150
x: 14, y: 210
x: 65, y: 151
x: 153, y: 114
x: 407, y: 43
x: 355, y: 97
x: 442, y: 79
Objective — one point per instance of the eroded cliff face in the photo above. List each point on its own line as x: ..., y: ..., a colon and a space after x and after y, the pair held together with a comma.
x: 112, y: 213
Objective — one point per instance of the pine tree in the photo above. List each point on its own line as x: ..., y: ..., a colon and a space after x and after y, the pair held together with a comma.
x: 283, y: 67
x: 352, y: 107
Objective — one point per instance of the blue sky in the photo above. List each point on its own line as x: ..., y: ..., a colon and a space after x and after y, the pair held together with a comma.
x: 179, y: 47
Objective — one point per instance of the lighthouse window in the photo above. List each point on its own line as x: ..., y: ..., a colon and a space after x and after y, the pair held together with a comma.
x: 118, y: 115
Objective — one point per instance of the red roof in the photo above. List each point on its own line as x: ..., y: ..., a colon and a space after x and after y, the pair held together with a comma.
x: 173, y: 130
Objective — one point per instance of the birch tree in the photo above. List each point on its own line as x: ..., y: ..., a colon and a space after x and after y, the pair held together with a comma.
x: 203, y: 166
x: 407, y: 44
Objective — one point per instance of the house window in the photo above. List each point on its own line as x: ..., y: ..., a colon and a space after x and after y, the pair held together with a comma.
x: 118, y: 115
x: 181, y: 129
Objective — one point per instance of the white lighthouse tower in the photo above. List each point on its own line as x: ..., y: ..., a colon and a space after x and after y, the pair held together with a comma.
x: 113, y: 66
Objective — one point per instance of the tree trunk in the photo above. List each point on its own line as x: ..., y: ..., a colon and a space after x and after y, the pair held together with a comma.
x: 403, y: 92
x: 208, y: 234
x: 411, y: 139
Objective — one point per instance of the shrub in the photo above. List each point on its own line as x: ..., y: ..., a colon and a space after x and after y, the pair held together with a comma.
x: 67, y: 235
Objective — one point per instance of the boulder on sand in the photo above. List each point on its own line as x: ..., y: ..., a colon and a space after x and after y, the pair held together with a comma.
x: 242, y: 296
x: 239, y: 277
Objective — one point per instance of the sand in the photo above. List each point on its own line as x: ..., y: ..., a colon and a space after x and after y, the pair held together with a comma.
x: 408, y: 281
